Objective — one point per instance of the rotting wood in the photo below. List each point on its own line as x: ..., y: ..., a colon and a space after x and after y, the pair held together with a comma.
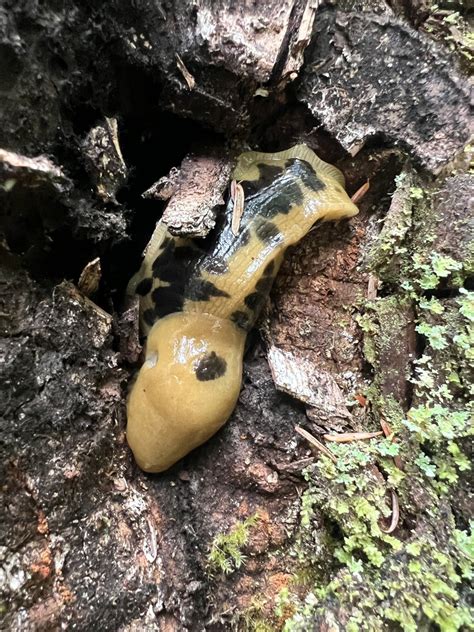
x: 405, y: 88
x: 104, y: 159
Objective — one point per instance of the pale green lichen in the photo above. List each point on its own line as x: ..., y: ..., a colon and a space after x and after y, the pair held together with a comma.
x: 386, y: 255
x: 416, y: 583
x: 446, y: 22
x: 412, y: 578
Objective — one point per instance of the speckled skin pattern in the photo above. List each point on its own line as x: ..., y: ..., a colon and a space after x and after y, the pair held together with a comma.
x: 196, y: 306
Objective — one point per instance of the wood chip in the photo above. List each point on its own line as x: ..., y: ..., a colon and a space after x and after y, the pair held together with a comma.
x: 90, y: 277
x: 296, y: 374
x: 317, y: 444
x: 197, y: 189
x: 360, y: 399
x: 238, y: 198
x: 372, y: 287
x: 346, y: 437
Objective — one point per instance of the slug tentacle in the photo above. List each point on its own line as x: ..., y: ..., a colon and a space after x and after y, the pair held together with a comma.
x: 199, y: 306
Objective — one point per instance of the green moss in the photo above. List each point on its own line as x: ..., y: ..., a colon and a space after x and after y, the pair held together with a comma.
x: 432, y: 268
x: 225, y: 554
x: 252, y: 619
x: 260, y: 625
x: 386, y: 255
x: 413, y: 578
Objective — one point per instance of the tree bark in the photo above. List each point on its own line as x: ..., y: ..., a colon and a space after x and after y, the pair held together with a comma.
x: 99, y: 102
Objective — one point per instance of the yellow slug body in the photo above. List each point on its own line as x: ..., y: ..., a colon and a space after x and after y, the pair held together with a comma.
x: 197, y: 306
x: 191, y: 359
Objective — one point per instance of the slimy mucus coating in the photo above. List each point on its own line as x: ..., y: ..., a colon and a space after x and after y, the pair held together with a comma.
x: 197, y: 306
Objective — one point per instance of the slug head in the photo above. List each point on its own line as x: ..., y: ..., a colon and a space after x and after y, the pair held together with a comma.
x: 186, y: 389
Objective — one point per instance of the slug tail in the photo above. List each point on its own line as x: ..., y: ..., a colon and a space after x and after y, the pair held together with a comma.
x: 285, y: 194
x: 246, y: 168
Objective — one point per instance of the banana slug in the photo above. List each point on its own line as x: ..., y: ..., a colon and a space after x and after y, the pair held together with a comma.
x: 197, y: 307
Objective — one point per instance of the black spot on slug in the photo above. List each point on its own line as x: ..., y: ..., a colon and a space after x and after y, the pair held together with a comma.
x: 149, y: 317
x: 173, y: 263
x: 201, y: 290
x: 279, y: 198
x: 286, y: 190
x: 144, y: 286
x: 243, y: 237
x: 186, y: 253
x: 167, y: 301
x: 269, y: 268
x: 210, y: 367
x: 242, y: 320
x: 264, y: 285
x: 164, y: 260
x: 173, y: 273
x: 254, y: 300
x: 312, y: 181
x: 267, y: 232
x: 267, y: 175
x: 287, y: 196
x: 307, y: 174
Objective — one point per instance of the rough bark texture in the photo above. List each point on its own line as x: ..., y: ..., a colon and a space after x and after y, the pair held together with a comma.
x: 198, y: 193
x: 98, y: 102
x: 369, y: 74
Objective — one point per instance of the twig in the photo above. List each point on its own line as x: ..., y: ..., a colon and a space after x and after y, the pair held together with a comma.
x: 359, y: 194
x: 317, y: 444
x: 387, y: 430
x: 190, y: 80
x: 346, y: 437
x: 295, y: 465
